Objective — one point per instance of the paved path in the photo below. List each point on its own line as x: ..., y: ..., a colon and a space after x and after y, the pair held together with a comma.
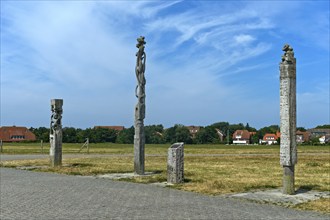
x: 48, y: 196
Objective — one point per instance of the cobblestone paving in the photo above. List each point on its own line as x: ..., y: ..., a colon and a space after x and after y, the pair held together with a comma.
x: 45, y: 196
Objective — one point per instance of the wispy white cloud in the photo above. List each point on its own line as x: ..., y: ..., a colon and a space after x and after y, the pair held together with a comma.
x: 84, y: 52
x: 214, y: 41
x: 142, y: 9
x: 244, y: 39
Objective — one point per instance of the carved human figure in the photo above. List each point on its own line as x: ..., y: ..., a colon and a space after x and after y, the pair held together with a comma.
x: 140, y: 67
x: 288, y: 55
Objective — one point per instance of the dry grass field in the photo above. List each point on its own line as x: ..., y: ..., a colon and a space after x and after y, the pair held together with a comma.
x: 209, y: 169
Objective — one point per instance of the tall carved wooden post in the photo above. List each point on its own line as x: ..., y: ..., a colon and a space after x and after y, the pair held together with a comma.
x: 288, y: 149
x: 139, y: 137
x: 55, y: 137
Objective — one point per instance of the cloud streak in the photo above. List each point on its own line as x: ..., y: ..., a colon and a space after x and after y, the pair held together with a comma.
x: 205, y: 62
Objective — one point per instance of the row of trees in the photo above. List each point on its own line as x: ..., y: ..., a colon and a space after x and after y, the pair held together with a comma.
x: 156, y: 134
x: 73, y: 135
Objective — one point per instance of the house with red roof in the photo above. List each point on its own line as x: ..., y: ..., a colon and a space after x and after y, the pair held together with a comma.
x: 270, y: 139
x: 16, y: 134
x: 242, y: 137
x: 301, y: 137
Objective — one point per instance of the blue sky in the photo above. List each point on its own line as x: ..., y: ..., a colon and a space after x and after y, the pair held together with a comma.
x: 207, y: 61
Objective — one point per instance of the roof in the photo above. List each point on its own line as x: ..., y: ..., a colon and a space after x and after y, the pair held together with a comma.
x: 116, y: 128
x: 317, y: 131
x: 306, y: 135
x: 244, y: 134
x: 269, y: 136
x: 278, y: 134
x: 14, y: 134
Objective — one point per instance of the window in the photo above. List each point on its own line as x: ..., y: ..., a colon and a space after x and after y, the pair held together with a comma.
x: 19, y: 137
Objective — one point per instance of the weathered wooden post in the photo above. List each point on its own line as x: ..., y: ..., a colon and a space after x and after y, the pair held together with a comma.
x: 175, y: 163
x: 87, y: 143
x: 288, y: 149
x: 55, y: 137
x: 42, y: 146
x: 1, y: 146
x: 139, y: 136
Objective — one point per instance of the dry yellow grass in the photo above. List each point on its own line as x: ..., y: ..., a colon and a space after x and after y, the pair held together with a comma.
x: 210, y: 175
x: 321, y: 205
x: 218, y: 175
x: 213, y: 175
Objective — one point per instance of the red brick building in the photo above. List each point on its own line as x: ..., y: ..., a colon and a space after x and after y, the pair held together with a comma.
x: 16, y: 134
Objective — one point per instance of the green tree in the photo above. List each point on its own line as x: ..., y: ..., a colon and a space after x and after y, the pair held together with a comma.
x: 169, y: 135
x: 101, y: 135
x: 314, y: 140
x: 323, y: 126
x: 69, y: 135
x: 301, y: 129
x: 154, y: 134
x: 81, y: 135
x: 247, y: 126
x: 222, y: 126
x: 178, y: 133
x: 272, y: 129
x: 41, y: 133
x: 207, y: 135
x: 87, y: 133
x: 126, y: 136
x: 255, y: 139
x: 182, y: 134
x: 250, y: 129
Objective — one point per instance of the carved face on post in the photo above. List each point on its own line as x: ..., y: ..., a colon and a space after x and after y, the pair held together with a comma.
x: 56, y: 117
